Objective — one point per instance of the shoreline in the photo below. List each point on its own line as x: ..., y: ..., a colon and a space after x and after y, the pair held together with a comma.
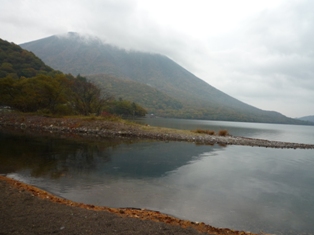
x: 19, y: 189
x: 100, y: 128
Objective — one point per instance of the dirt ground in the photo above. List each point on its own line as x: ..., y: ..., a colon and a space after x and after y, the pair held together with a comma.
x: 27, y: 210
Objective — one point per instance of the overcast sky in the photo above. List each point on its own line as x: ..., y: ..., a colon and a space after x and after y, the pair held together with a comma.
x: 260, y: 52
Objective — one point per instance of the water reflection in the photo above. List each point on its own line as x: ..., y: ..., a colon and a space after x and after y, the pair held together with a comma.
x: 257, y: 190
x: 46, y: 156
x: 239, y: 187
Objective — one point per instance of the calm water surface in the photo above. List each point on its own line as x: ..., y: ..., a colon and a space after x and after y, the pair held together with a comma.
x: 279, y: 132
x: 243, y: 188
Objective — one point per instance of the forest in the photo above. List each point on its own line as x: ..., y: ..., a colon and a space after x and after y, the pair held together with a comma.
x: 28, y: 85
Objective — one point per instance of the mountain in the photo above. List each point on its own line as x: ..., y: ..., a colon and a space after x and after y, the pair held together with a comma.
x: 16, y: 62
x: 307, y: 118
x: 73, y: 53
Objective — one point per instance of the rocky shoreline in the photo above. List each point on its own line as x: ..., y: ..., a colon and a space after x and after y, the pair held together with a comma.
x: 95, y: 127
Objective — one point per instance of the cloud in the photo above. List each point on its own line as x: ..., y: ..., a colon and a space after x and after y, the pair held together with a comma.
x: 270, y: 61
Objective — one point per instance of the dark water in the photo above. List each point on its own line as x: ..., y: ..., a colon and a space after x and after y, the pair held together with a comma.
x: 243, y: 188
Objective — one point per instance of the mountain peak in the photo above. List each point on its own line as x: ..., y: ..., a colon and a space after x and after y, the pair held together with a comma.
x: 82, y: 38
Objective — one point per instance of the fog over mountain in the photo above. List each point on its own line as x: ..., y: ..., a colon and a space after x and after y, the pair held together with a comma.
x: 76, y: 54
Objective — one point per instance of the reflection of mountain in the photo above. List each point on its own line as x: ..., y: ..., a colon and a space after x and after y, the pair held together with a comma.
x: 54, y: 157
x: 154, y: 159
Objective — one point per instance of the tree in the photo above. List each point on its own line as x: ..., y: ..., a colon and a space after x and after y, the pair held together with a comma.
x: 126, y: 108
x: 86, y: 97
x: 33, y: 94
x: 7, y: 90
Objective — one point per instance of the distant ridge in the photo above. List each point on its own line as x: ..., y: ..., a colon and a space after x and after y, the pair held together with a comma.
x: 76, y: 54
x: 307, y: 118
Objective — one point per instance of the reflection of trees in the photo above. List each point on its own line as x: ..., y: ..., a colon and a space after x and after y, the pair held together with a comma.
x: 53, y: 157
x: 81, y: 158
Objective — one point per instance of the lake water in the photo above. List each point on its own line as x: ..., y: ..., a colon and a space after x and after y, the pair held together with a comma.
x: 278, y: 132
x: 242, y: 188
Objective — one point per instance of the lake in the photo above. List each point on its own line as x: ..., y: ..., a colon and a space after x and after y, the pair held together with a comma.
x: 277, y: 132
x: 243, y: 188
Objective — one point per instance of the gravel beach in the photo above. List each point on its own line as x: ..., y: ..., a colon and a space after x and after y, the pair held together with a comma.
x: 27, y: 210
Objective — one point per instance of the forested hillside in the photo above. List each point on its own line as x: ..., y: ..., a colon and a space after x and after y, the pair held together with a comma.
x: 28, y: 85
x: 16, y: 62
x: 75, y: 54
x: 148, y: 97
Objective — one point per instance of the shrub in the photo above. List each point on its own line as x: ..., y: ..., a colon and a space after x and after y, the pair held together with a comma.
x: 109, y: 116
x: 223, y: 133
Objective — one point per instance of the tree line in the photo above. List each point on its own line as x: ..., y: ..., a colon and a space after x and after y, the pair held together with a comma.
x: 62, y: 94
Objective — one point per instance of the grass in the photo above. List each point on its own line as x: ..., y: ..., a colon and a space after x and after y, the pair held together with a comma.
x: 94, y: 118
x: 207, y: 132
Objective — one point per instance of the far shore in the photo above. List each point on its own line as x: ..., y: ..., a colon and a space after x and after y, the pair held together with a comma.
x: 102, y: 128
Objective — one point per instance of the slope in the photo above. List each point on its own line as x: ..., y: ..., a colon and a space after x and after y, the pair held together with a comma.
x: 76, y: 54
x: 16, y: 62
x: 148, y: 97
